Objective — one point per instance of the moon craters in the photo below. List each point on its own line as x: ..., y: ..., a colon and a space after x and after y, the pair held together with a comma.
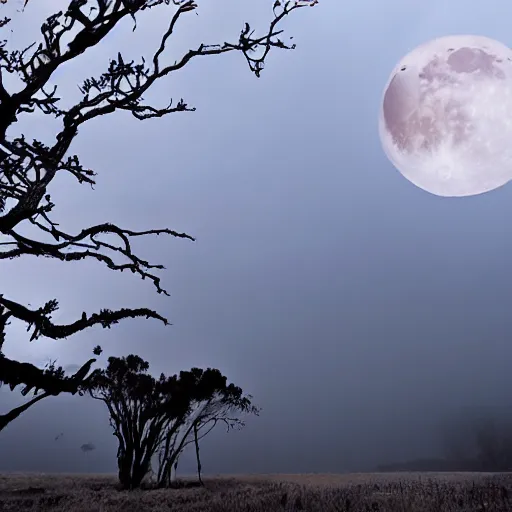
x: 445, y: 116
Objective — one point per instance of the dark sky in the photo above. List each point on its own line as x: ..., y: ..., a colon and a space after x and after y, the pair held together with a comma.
x: 357, y: 309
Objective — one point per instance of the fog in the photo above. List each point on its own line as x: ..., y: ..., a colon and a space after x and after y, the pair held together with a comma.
x: 358, y: 310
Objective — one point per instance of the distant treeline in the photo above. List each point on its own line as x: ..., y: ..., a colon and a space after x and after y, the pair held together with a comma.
x: 479, y: 440
x: 441, y: 464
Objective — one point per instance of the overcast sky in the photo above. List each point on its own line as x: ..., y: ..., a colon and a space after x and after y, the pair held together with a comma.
x: 358, y: 309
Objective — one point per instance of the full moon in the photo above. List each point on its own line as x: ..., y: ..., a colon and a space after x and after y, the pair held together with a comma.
x: 445, y: 120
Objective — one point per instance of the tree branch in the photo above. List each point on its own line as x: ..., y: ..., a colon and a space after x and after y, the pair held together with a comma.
x: 92, y: 247
x: 121, y: 87
x: 13, y: 373
x: 5, y: 419
x: 43, y: 326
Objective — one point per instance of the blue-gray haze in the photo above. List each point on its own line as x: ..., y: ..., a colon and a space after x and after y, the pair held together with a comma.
x: 359, y: 311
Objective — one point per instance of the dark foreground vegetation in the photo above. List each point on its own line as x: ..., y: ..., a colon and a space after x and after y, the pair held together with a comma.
x: 406, y: 492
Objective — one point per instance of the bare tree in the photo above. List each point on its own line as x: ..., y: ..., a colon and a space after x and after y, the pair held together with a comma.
x: 28, y: 168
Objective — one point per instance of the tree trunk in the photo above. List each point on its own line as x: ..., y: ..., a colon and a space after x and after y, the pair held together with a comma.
x: 138, y: 474
x: 165, y: 479
x: 174, y: 474
x: 196, y: 442
x: 124, y: 464
x: 124, y: 474
x: 171, y: 460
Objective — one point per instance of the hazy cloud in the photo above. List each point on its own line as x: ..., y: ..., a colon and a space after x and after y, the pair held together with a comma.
x: 358, y: 310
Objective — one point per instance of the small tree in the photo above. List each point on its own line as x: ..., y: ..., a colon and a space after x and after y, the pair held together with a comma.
x: 87, y: 447
x: 28, y: 167
x: 149, y: 414
x: 211, y: 401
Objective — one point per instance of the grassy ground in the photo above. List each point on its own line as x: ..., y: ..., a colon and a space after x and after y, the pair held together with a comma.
x: 379, y: 492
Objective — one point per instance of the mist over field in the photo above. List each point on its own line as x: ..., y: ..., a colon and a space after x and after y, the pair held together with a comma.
x: 369, y: 320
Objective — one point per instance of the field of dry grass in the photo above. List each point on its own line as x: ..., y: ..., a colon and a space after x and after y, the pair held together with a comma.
x: 378, y: 492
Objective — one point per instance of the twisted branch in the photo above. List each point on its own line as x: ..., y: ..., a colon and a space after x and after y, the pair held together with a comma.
x: 40, y: 319
x: 91, y: 246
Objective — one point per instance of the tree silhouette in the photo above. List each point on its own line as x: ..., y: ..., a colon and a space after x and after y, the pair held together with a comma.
x: 149, y: 414
x: 493, y: 440
x: 480, y: 440
x: 210, y: 401
x: 87, y: 447
x: 28, y: 168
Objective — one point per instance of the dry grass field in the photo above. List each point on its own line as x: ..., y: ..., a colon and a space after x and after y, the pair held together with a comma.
x: 378, y: 492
